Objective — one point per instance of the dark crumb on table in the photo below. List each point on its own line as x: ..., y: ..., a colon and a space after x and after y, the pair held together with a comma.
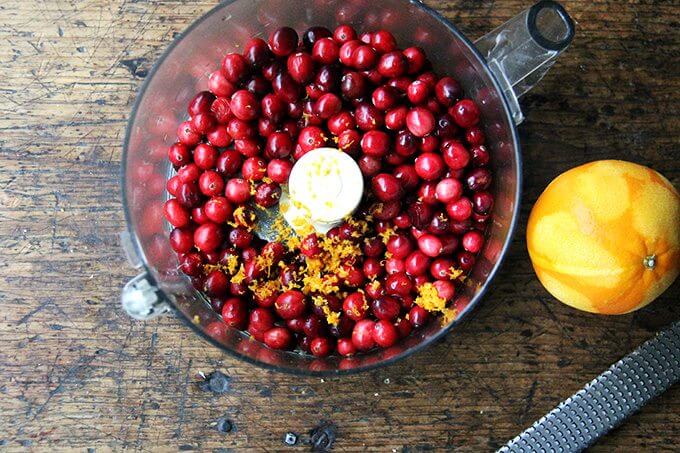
x: 216, y: 382
x: 321, y: 438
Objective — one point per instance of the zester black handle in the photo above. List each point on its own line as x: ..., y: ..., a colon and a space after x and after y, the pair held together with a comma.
x: 607, y: 400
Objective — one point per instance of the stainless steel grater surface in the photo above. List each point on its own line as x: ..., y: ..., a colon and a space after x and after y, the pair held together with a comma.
x: 608, y: 399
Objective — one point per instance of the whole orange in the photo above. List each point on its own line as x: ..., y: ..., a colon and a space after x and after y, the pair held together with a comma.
x: 604, y: 237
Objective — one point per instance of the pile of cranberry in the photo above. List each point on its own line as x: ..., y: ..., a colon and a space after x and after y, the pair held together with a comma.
x: 416, y: 140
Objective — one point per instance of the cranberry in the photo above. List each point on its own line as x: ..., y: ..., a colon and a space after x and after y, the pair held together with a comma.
x: 278, y: 338
x: 219, y: 136
x: 239, y: 129
x: 211, y: 183
x: 179, y: 154
x: 368, y: 117
x: 399, y: 245
x: 273, y: 107
x: 482, y: 202
x: 427, y: 193
x: 398, y: 284
x: 420, y: 214
x: 405, y: 144
x: 283, y: 41
x: 267, y: 194
x: 240, y: 237
x: 325, y: 51
x: 208, y: 237
x: 216, y: 284
x: 448, y: 91
x: 237, y: 190
x: 473, y: 241
x: 290, y: 304
x: 345, y: 347
x: 395, y: 119
x: 229, y: 162
x: 348, y: 141
x: 373, y: 247
x: 313, y: 327
x: 465, y: 113
x: 455, y: 154
x: 257, y: 53
x: 386, y: 187
x: 445, y: 289
x: 480, y: 156
x: 466, y: 260
x: 286, y: 88
x: 219, y: 85
x: 369, y: 165
x: 460, y: 209
x: 418, y: 92
x: 201, y: 103
x: 415, y: 57
x: 235, y: 68
x: 187, y: 135
x: 375, y: 143
x: 309, y: 245
x: 320, y: 347
x: 392, y: 64
x: 198, y: 215
x: 394, y: 265
x: 181, y: 240
x: 258, y: 85
x: 314, y: 34
x: 429, y: 166
x: 420, y: 121
x: 311, y: 137
x: 340, y: 122
x: 430, y: 245
x: 176, y: 214
x: 244, y: 105
x: 301, y: 67
x: 221, y: 110
x: 372, y: 268
x: 428, y: 77
x: 327, y: 105
x: 261, y: 319
x: 235, y: 312
x: 191, y: 264
x: 353, y: 85
x: 418, y: 316
x: 354, y: 306
x: 362, y: 335
x: 279, y: 144
x: 364, y: 57
x: 384, y: 334
x: 441, y: 268
x: 478, y: 179
x: 344, y: 33
x: 407, y: 176
x: 189, y: 173
x: 278, y: 170
x: 448, y: 190
x: 346, y: 51
x: 417, y: 263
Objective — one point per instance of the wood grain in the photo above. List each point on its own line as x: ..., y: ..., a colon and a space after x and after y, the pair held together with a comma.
x: 76, y: 373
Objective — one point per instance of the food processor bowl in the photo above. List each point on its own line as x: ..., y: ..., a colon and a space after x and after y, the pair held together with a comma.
x: 494, y: 71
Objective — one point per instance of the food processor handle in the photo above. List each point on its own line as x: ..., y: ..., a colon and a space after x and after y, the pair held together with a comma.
x: 521, y: 51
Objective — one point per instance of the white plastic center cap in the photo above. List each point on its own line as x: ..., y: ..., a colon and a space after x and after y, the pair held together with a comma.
x: 324, y: 187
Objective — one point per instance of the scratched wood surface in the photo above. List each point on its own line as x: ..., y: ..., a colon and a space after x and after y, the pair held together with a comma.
x: 76, y: 373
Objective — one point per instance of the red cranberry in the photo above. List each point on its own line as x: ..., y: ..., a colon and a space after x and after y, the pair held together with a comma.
x: 364, y: 57
x: 301, y: 67
x: 346, y: 51
x: 172, y: 186
x: 466, y: 260
x: 430, y: 245
x: 475, y: 136
x: 465, y: 113
x: 258, y: 85
x: 373, y: 247
x: 176, y: 214
x: 448, y: 91
x: 257, y: 53
x: 427, y: 193
x: 405, y: 144
x: 418, y: 316
x: 473, y: 241
x: 482, y: 202
x: 237, y: 190
x: 395, y: 119
x: 445, y: 289
x: 290, y: 304
x: 261, y: 319
x: 182, y: 240
x: 399, y: 245
x: 320, y: 347
x: 369, y: 165
x: 273, y: 107
x: 420, y: 214
x: 455, y: 154
x: 385, y: 97
x: 478, y: 179
x: 229, y: 162
x: 460, y: 209
x: 398, y: 284
x: 240, y: 237
x: 211, y: 183
x: 201, y: 103
x: 254, y: 168
x: 219, y: 136
x: 480, y: 156
x: 283, y: 41
x: 392, y: 64
x: 418, y: 92
x: 368, y: 117
x: 235, y: 312
x: 235, y: 67
x: 327, y: 105
x: 216, y: 284
x: 187, y: 135
x: 313, y: 327
x: 354, y: 306
x: 221, y: 110
x: 344, y: 33
x: 345, y: 347
x: 428, y: 77
x: 441, y: 268
x: 386, y: 187
x: 383, y: 41
x: 191, y: 264
x: 278, y: 170
x: 219, y: 85
x: 266, y: 127
x: 240, y: 130
x: 362, y: 335
x: 394, y: 265
x: 402, y: 221
x: 448, y: 190
x: 375, y: 143
x: 341, y: 122
x: 415, y: 57
x: 267, y: 194
x: 407, y: 176
x: 179, y: 154
x: 386, y: 211
x: 279, y: 144
x: 189, y: 173
x: 244, y: 105
x: 278, y: 338
x: 353, y: 85
x: 420, y: 121
x: 208, y: 237
x: 384, y: 334
x: 326, y: 51
x: 218, y: 209
x: 429, y: 166
x: 417, y: 263
x: 372, y: 268
x: 286, y: 88
x: 189, y: 195
x: 311, y: 137
x: 314, y: 34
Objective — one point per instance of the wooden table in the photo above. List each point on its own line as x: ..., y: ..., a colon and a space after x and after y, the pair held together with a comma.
x: 77, y: 373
